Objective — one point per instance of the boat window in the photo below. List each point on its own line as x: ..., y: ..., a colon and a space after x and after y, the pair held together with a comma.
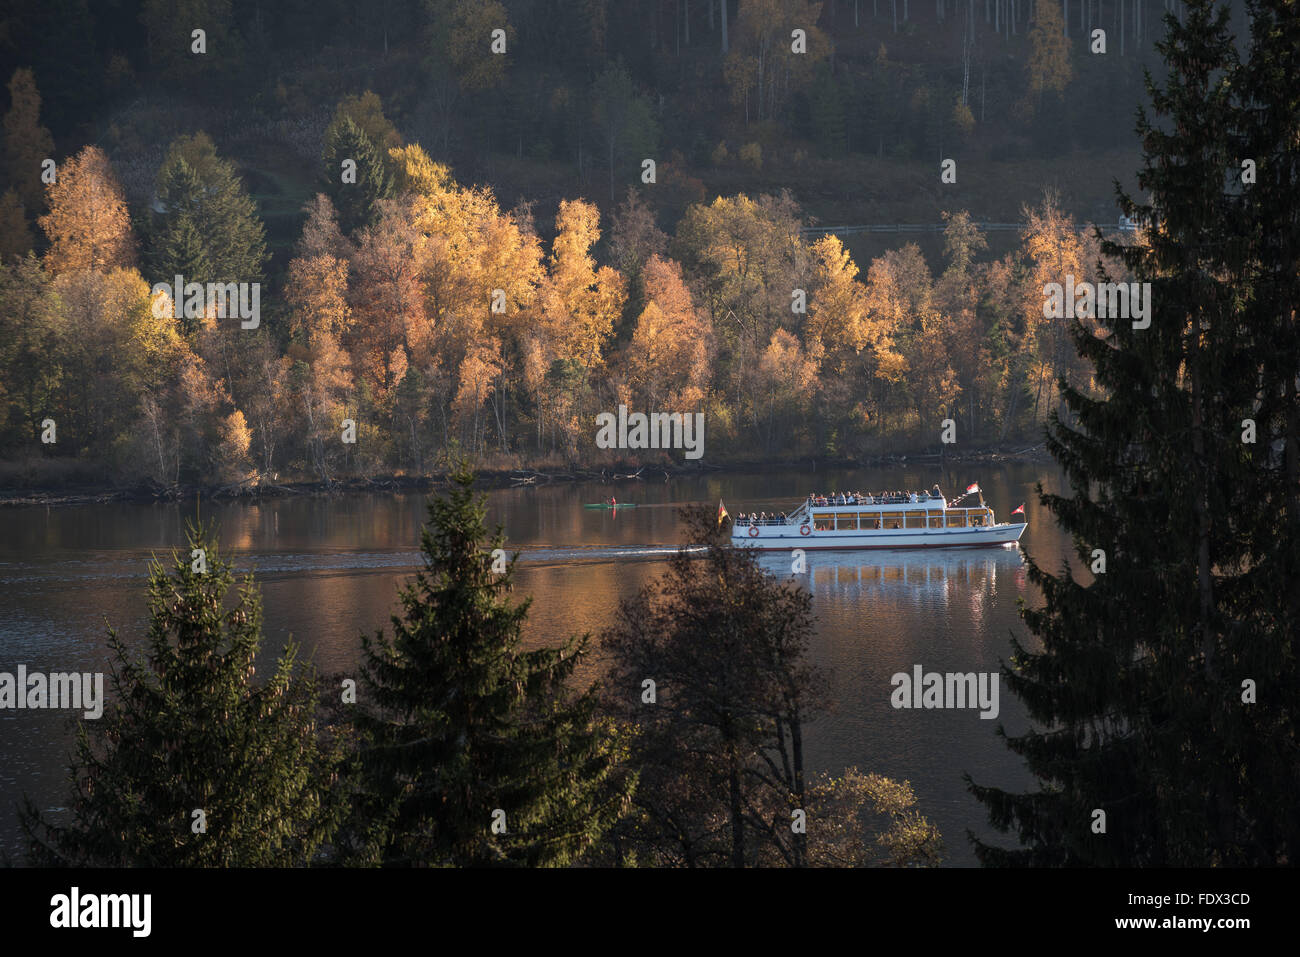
x: 956, y: 517
x: 823, y: 523
x: 936, y: 519
x: 893, y: 519
x: 915, y: 519
x: 978, y: 519
x: 846, y: 522
x: 869, y: 519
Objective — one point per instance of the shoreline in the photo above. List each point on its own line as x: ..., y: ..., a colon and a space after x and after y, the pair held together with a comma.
x: 147, y: 492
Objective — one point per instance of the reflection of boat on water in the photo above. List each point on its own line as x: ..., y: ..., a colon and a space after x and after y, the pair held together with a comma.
x: 900, y: 520
x: 903, y: 568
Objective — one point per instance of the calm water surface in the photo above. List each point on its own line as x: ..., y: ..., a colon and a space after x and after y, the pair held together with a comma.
x: 329, y: 568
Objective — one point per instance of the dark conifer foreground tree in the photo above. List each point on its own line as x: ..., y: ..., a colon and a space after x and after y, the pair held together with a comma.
x: 1270, y: 88
x: 461, y: 724
x: 190, y: 732
x: 1165, y: 690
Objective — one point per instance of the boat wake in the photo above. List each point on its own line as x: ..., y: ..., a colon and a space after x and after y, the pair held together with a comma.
x: 116, y: 565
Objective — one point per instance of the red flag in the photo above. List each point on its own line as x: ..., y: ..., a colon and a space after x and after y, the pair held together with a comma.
x: 1019, y: 511
x: 974, y: 487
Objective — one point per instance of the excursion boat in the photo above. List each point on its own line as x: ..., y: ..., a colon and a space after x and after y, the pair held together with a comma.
x: 913, y: 520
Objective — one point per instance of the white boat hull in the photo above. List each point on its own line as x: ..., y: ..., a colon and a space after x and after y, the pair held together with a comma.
x: 774, y: 537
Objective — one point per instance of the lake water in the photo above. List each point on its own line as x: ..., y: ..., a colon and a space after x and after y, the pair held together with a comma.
x: 329, y: 568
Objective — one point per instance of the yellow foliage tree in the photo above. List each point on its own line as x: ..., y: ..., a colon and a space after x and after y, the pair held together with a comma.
x: 88, y: 224
x: 579, y: 302
x: 667, y: 360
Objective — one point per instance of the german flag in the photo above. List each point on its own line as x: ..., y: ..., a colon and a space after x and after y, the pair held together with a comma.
x: 722, y: 512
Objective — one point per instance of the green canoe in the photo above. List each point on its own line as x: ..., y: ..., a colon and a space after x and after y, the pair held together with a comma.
x: 607, y: 505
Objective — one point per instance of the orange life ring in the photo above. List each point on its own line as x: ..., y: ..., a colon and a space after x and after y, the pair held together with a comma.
x: 753, y: 531
x: 804, y: 529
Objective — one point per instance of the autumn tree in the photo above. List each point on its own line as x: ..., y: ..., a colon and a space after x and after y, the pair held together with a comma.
x: 868, y: 820
x: 480, y: 268
x: 28, y: 144
x: 88, y: 225
x: 785, y: 380
x: 635, y: 236
x: 720, y: 750
x: 316, y: 375
x: 366, y: 110
x: 719, y: 728
x: 31, y: 338
x: 16, y: 237
x: 762, y: 58
x: 852, y: 344
x: 579, y: 302
x: 460, y: 58
x: 387, y: 299
x: 113, y: 349
x: 1055, y: 250
x: 749, y: 257
x: 668, y: 357
x: 840, y: 318
x: 1049, y: 66
x: 955, y: 295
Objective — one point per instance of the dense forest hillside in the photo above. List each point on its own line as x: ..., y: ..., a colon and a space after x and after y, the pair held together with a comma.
x: 474, y: 225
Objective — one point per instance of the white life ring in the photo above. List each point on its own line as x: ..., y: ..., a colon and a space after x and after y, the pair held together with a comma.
x: 753, y: 531
x: 804, y: 529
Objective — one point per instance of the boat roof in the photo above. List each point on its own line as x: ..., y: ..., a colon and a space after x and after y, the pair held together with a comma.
x: 921, y: 505
x: 935, y: 503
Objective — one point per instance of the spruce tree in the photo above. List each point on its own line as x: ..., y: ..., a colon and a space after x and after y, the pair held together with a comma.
x: 180, y: 249
x: 189, y: 731
x: 199, y: 192
x: 1138, y: 692
x: 1269, y: 88
x: 461, y: 725
x: 355, y: 201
